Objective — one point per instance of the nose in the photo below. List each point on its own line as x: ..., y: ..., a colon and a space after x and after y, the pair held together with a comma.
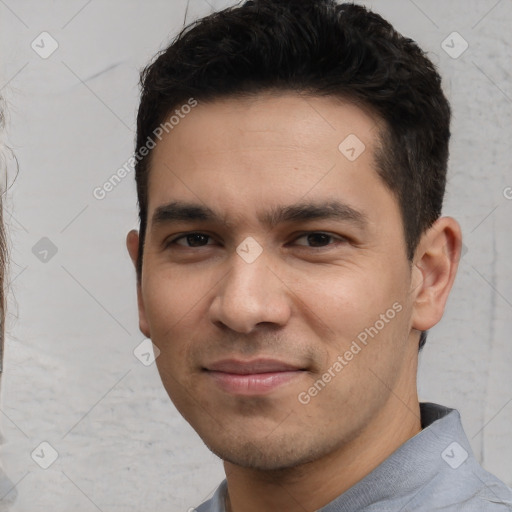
x: 250, y: 295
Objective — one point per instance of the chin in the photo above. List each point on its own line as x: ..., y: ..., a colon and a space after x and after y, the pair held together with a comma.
x: 265, y: 455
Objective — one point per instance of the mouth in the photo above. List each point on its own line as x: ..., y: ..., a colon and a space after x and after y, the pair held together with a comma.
x: 255, y: 377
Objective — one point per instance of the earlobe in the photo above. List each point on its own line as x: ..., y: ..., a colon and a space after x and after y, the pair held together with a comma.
x: 132, y: 244
x: 435, y: 266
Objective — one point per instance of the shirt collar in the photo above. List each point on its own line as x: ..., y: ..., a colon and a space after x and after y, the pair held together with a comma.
x: 404, y: 472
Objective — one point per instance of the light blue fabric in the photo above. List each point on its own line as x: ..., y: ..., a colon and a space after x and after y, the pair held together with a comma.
x: 433, y: 471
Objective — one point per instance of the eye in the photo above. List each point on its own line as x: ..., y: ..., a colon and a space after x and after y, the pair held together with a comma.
x: 318, y: 239
x: 191, y: 240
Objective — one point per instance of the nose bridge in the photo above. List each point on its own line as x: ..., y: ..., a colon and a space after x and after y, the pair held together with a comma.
x: 250, y: 294
x: 247, y: 284
x: 248, y: 274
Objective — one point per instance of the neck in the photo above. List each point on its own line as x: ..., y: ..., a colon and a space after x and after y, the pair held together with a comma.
x: 313, y: 485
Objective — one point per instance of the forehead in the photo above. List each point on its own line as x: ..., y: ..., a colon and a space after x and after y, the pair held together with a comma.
x: 267, y: 148
x: 311, y: 122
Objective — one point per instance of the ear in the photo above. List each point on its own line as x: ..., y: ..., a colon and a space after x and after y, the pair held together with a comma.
x: 434, y: 268
x: 132, y: 244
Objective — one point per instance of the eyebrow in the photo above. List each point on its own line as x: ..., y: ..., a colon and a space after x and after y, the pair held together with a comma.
x: 177, y: 211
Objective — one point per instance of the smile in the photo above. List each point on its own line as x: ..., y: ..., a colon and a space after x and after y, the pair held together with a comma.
x: 250, y: 378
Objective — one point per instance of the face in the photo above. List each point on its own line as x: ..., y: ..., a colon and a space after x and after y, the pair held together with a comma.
x: 275, y: 281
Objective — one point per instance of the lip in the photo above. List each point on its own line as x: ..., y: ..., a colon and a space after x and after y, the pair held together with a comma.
x: 255, y: 377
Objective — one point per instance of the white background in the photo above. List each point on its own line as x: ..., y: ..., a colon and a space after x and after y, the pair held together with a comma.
x: 71, y: 378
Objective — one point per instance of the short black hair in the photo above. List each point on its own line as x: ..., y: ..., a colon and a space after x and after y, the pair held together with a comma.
x: 319, y: 48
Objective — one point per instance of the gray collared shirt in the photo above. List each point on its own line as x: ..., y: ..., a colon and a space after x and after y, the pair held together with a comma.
x: 434, y: 470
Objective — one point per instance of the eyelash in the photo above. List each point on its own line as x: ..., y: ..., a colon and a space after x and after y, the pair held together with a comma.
x: 339, y: 239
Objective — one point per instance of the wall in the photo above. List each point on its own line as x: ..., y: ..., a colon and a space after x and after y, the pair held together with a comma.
x: 71, y: 378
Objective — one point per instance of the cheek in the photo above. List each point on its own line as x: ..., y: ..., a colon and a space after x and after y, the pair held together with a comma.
x: 169, y: 314
x: 348, y: 300
x: 172, y: 298
x: 176, y: 306
x: 168, y: 308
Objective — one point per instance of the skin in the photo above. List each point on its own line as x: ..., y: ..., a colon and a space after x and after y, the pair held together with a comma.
x: 303, y: 300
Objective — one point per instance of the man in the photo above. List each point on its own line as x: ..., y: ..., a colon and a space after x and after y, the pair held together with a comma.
x: 291, y: 166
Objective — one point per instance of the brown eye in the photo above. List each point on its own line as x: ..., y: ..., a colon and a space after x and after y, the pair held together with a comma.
x: 318, y: 239
x: 192, y: 240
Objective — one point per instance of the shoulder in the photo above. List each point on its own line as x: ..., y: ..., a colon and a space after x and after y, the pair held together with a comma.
x: 467, y: 489
x: 469, y: 493
x: 489, y: 494
x: 460, y: 482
